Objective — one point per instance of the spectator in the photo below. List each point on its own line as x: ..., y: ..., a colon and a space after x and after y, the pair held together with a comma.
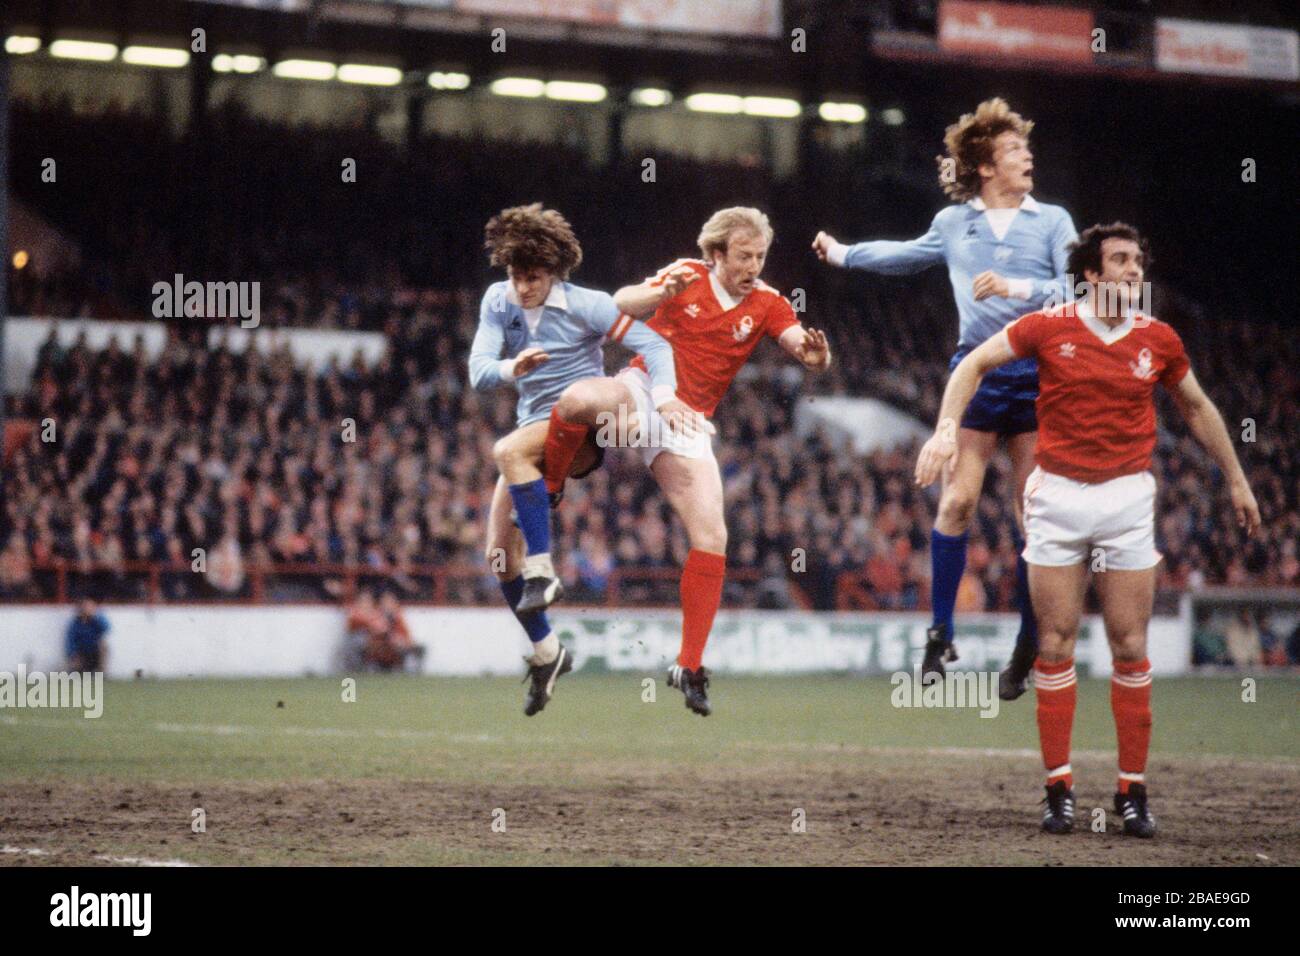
x: 1209, y: 647
x: 1243, y: 640
x: 364, y: 621
x: 84, y: 644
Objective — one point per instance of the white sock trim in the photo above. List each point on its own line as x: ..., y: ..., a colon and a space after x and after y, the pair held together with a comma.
x: 545, y: 650
x: 1060, y: 771
x: 538, y: 566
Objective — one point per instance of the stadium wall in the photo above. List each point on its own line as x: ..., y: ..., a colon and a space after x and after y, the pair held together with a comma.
x: 204, y: 641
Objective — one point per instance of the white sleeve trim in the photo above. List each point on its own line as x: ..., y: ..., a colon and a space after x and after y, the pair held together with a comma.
x: 838, y: 252
x: 508, y: 369
x: 662, y: 395
x: 1020, y: 288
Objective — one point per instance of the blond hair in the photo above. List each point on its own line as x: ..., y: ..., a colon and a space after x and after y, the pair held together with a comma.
x: 716, y: 232
x: 970, y: 144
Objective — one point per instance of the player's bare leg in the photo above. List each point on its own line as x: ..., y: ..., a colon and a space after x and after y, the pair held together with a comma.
x: 1014, y: 677
x: 518, y: 456
x: 960, y: 493
x: 1057, y: 594
x: 693, y: 487
x: 1126, y: 602
x: 505, y: 556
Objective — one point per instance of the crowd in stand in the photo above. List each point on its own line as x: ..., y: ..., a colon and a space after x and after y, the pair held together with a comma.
x: 244, y: 457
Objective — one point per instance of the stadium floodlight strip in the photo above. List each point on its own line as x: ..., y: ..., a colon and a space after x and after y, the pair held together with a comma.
x: 778, y: 107
x: 83, y: 50
x: 237, y: 63
x: 575, y: 92
x: 774, y: 106
x: 367, y: 75
x: 19, y: 45
x: 155, y: 56
x: 650, y: 96
x: 842, y: 112
x: 305, y: 70
x: 441, y: 80
x: 715, y: 103
x: 518, y: 86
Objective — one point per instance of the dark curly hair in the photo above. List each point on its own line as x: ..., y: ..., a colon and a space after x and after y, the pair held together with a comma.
x: 527, y: 237
x: 1085, y: 252
x: 970, y: 144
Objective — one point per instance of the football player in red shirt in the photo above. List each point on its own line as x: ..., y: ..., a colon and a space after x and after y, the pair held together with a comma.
x: 1091, y: 500
x: 713, y: 311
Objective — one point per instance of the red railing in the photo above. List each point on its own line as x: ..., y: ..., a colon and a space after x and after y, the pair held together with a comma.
x: 154, y: 582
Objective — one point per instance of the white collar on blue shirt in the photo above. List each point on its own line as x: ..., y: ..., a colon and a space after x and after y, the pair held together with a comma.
x: 556, y: 299
x: 1028, y: 204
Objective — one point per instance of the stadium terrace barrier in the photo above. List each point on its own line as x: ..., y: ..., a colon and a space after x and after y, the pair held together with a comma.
x: 202, y: 640
x: 60, y: 581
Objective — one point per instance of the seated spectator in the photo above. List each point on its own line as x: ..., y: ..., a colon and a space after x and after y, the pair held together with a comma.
x: 16, y: 582
x: 363, y: 621
x: 1243, y: 640
x: 390, y: 644
x: 84, y: 643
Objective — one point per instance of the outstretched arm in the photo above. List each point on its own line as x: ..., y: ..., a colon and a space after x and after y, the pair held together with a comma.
x: 957, y: 396
x: 643, y: 298
x: 1207, y: 425
x: 883, y: 255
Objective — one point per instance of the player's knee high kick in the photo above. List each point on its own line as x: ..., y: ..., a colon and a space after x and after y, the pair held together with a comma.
x: 541, y: 333
x: 714, y: 311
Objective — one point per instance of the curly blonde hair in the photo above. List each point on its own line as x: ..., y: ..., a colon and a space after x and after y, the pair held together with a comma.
x: 970, y: 144
x: 527, y: 237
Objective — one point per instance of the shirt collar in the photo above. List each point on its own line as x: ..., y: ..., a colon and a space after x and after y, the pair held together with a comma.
x: 725, y: 298
x: 557, y: 299
x: 1028, y: 204
x: 1099, y: 328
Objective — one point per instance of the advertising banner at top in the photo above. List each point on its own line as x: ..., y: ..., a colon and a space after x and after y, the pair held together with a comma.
x: 1224, y: 49
x: 759, y: 18
x: 1063, y: 34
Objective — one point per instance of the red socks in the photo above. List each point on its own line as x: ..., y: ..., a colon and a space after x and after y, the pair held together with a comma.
x: 1130, y: 702
x: 563, y: 441
x: 701, y: 594
x: 1057, y: 689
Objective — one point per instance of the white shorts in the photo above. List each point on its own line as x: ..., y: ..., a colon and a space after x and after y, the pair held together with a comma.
x: 655, y: 436
x: 1068, y: 521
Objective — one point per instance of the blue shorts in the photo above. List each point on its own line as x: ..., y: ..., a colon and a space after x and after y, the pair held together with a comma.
x: 1004, y: 403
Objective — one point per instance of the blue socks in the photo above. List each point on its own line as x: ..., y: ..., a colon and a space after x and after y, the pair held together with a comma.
x: 947, y: 562
x: 533, y: 509
x: 535, y: 624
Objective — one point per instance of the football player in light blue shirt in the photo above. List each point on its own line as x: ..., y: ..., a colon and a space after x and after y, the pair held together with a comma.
x: 1006, y: 256
x: 541, y: 333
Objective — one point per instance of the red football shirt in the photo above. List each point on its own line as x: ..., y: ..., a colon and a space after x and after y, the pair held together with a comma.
x: 1096, y: 405
x: 711, y: 341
